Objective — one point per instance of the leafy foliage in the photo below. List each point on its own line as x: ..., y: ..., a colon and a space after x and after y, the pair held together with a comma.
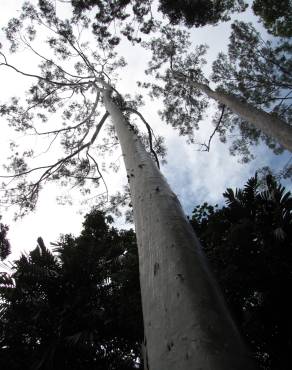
x: 4, y: 242
x: 184, y: 105
x: 80, y: 308
x: 66, y: 88
x: 115, y: 19
x: 76, y: 308
x: 200, y: 12
x: 275, y: 15
x: 248, y: 243
x: 259, y: 72
x: 254, y: 71
x: 190, y: 13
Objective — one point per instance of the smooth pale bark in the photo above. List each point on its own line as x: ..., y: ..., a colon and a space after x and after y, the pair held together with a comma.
x: 267, y: 123
x: 187, y: 326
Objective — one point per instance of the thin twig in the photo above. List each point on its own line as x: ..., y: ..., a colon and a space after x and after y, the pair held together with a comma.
x: 51, y: 61
x: 76, y: 126
x: 100, y: 174
x: 78, y: 83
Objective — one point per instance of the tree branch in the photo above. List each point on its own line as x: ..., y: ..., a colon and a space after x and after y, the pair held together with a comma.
x: 79, y: 124
x: 78, y: 83
x: 216, y: 128
x: 100, y: 174
x: 51, y: 61
x: 149, y: 129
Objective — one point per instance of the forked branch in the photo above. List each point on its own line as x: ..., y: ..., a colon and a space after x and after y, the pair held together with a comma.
x: 207, y: 147
x: 52, y: 169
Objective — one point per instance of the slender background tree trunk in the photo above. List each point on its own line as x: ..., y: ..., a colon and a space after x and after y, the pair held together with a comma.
x: 267, y: 123
x: 187, y: 326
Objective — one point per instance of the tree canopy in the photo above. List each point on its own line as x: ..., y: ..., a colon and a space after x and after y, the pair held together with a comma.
x: 67, y: 91
x: 67, y: 85
x: 262, y: 70
x: 77, y: 307
x: 200, y: 12
x: 190, y: 13
x: 248, y: 243
x: 258, y: 72
x: 255, y: 72
x: 275, y: 15
x: 74, y: 93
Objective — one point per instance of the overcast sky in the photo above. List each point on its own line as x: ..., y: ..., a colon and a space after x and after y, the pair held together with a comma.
x: 194, y: 176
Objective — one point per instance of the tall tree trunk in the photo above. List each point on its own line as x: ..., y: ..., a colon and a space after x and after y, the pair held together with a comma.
x: 187, y: 326
x: 267, y: 123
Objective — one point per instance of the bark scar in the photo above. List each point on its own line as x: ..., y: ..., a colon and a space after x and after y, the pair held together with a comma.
x: 156, y: 268
x: 145, y: 354
x: 180, y: 276
x: 170, y: 345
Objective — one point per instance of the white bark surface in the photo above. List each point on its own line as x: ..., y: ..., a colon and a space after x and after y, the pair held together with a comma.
x: 267, y: 123
x: 187, y: 326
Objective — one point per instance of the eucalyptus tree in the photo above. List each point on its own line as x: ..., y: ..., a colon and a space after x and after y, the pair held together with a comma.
x: 256, y: 76
x: 258, y: 72
x: 185, y: 319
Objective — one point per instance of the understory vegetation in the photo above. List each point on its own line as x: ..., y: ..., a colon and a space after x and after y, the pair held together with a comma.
x: 77, y: 305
